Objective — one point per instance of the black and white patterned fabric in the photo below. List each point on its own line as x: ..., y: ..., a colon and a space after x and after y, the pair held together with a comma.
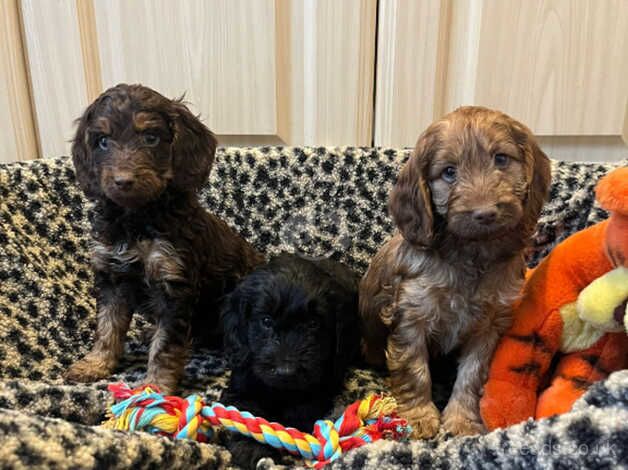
x: 324, y: 202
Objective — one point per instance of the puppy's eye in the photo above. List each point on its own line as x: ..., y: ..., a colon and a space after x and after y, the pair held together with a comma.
x: 449, y: 174
x: 150, y: 139
x: 267, y: 322
x: 501, y: 160
x: 103, y: 142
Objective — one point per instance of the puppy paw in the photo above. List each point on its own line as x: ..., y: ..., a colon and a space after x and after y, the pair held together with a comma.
x: 91, y: 368
x: 425, y: 420
x: 167, y: 383
x: 459, y: 422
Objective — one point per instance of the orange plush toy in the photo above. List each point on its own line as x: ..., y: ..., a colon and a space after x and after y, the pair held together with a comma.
x: 573, y: 309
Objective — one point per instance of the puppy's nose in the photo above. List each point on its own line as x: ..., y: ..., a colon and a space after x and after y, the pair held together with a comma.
x: 124, y: 182
x: 285, y: 370
x: 485, y: 215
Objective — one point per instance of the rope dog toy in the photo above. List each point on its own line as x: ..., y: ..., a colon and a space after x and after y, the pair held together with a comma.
x: 146, y: 409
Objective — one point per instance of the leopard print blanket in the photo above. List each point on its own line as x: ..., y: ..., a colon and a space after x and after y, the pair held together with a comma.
x: 318, y: 201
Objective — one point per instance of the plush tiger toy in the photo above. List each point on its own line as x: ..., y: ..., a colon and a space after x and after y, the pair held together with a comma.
x: 571, y: 319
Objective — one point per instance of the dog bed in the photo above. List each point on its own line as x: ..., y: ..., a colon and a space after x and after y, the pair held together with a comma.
x: 318, y: 201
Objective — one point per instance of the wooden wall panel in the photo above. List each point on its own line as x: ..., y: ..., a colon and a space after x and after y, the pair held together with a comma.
x: 462, y: 53
x: 344, y: 54
x: 86, y: 18
x: 585, y: 148
x: 411, y: 50
x: 220, y: 52
x: 17, y: 134
x: 259, y: 72
x: 559, y: 65
x: 57, y: 72
x: 330, y: 65
x: 302, y: 71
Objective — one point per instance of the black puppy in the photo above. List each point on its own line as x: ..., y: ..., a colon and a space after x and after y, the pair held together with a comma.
x: 291, y: 330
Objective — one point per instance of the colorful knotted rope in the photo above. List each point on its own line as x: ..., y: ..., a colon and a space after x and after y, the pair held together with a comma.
x: 364, y: 421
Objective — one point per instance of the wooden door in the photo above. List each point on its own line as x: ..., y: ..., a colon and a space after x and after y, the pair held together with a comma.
x: 560, y: 66
x: 258, y: 72
x: 301, y: 72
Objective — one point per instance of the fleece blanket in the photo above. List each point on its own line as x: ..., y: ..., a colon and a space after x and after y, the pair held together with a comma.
x: 318, y: 201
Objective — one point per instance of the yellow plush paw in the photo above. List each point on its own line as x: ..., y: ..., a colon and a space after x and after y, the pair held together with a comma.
x: 598, y: 301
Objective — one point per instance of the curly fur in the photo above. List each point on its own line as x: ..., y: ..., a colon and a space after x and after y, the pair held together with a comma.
x: 141, y: 158
x: 447, y: 279
x: 291, y: 331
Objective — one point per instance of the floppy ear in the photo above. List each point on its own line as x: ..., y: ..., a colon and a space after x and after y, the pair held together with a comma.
x: 193, y: 149
x: 84, y: 165
x: 410, y: 202
x: 234, y: 316
x: 539, y: 178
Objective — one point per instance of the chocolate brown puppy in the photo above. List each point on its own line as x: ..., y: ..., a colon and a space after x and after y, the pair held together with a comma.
x: 141, y: 158
x: 465, y: 205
